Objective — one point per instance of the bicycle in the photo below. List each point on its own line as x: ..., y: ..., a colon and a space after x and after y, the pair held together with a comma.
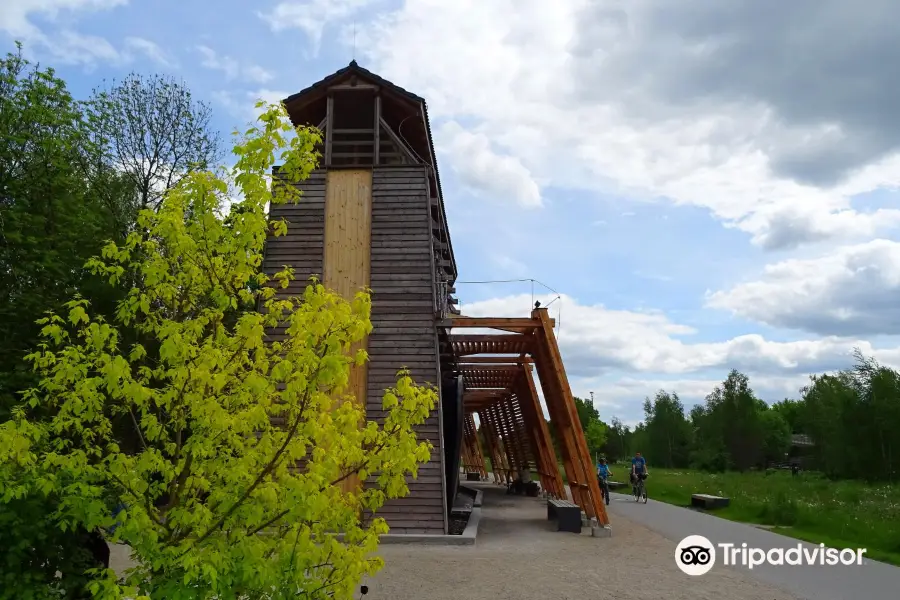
x: 604, y: 489
x: 639, y: 490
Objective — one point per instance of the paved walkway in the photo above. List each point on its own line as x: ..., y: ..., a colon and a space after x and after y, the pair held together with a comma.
x: 869, y: 580
x: 519, y: 555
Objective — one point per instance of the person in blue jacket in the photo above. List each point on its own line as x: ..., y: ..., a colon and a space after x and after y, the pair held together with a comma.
x: 604, y: 474
x: 638, y: 469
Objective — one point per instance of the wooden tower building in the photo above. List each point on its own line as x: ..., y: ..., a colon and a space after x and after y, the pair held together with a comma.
x: 372, y: 215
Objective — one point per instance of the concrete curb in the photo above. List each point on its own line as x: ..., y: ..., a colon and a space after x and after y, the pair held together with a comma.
x: 479, y: 494
x: 466, y: 539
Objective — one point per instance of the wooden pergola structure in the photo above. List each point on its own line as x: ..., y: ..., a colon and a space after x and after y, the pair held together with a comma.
x: 500, y: 389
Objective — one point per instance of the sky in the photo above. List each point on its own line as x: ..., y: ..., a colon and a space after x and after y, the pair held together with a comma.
x: 705, y: 185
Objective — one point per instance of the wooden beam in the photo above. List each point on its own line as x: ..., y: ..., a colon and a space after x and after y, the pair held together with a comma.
x: 396, y: 139
x: 491, y: 360
x: 543, y: 451
x: 481, y: 395
x: 493, y: 323
x: 553, y: 378
x: 377, y: 129
x: 478, y: 449
x: 500, y: 338
x: 491, y: 368
x: 329, y: 127
x: 359, y: 87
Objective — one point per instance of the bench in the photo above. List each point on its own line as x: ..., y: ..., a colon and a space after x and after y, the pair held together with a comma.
x: 707, y: 501
x: 473, y: 476
x: 567, y: 515
x: 617, y: 485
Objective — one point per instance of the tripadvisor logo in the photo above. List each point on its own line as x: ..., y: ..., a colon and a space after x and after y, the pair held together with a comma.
x: 696, y: 555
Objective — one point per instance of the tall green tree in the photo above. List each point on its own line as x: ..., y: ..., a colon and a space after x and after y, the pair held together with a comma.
x: 595, y: 430
x: 708, y: 443
x: 668, y: 431
x: 853, y: 417
x: 57, y: 209
x: 151, y: 129
x: 53, y: 210
x: 792, y: 413
x: 617, y: 440
x: 215, y: 504
x: 776, y: 435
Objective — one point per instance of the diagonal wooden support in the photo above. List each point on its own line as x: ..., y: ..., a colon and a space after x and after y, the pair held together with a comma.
x: 492, y: 433
x: 473, y: 458
x: 478, y: 449
x: 551, y: 480
x: 579, y: 466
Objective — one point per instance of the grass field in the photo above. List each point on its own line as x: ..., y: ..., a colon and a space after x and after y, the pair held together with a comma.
x: 840, y: 514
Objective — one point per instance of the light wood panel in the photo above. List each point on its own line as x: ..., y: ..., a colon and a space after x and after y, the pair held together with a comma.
x: 347, y: 261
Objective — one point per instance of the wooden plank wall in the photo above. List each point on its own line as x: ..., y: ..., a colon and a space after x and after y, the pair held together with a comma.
x: 400, y: 275
x: 404, y: 332
x: 302, y: 247
x: 348, y: 220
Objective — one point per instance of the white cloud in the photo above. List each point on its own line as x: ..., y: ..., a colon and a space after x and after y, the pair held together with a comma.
x: 850, y: 291
x: 596, y: 341
x: 502, y: 178
x: 243, y: 105
x: 233, y: 68
x: 555, y: 101
x: 626, y: 356
x: 137, y: 45
x: 14, y: 14
x: 312, y: 16
x: 66, y: 46
x: 510, y: 265
x: 75, y: 48
x: 624, y: 397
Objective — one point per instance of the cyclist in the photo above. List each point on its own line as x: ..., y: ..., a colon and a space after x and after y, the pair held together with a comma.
x: 638, y: 470
x: 604, y: 474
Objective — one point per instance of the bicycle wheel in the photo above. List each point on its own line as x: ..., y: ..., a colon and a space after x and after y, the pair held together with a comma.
x: 644, y: 493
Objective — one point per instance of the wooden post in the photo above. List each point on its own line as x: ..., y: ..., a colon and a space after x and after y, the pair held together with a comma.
x: 489, y: 439
x: 377, y: 152
x: 563, y: 427
x: 508, y: 441
x: 479, y: 449
x: 329, y: 129
x: 474, y: 445
x: 501, y: 443
x: 543, y: 441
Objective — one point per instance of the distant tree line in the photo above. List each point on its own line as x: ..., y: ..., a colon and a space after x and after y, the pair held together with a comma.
x: 852, y: 419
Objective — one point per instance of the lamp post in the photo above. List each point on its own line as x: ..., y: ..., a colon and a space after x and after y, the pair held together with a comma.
x: 596, y: 458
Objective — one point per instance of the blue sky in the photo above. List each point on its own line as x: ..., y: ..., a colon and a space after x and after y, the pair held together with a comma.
x: 706, y: 189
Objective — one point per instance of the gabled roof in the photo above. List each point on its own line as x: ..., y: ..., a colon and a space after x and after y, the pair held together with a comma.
x: 353, y: 67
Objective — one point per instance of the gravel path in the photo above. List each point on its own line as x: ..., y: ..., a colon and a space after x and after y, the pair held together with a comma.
x: 519, y: 555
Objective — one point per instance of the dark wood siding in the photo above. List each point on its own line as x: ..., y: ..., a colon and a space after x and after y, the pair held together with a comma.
x: 303, y: 246
x: 404, y: 333
x: 403, y: 309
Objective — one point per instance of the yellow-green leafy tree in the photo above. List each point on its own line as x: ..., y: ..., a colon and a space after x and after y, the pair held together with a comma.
x: 228, y: 483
